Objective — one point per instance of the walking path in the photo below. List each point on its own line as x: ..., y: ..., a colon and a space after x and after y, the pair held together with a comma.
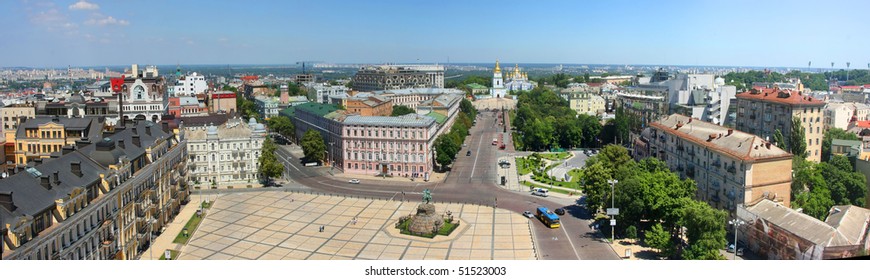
x: 163, y: 242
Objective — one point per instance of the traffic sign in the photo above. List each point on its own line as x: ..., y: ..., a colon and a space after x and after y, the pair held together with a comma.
x: 612, y: 211
x: 613, y: 222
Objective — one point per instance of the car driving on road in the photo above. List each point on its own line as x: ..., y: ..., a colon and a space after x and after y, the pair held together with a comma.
x: 353, y: 181
x: 528, y: 214
x: 560, y: 211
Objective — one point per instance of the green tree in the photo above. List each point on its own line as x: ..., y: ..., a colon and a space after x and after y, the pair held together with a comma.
x: 446, y: 149
x: 797, y: 139
x: 845, y: 185
x: 401, y: 110
x: 815, y: 203
x: 778, y: 139
x: 705, y: 231
x: 597, y: 188
x: 312, y: 146
x: 830, y: 135
x: 282, y: 125
x: 468, y: 108
x: 658, y: 238
x: 268, y: 164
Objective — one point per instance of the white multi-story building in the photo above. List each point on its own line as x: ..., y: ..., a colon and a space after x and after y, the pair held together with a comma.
x: 225, y: 155
x: 839, y: 115
x: 143, y: 94
x: 323, y: 93
x: 266, y: 106
x: 190, y: 85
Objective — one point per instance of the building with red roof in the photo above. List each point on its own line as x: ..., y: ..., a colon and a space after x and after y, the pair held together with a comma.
x: 764, y: 111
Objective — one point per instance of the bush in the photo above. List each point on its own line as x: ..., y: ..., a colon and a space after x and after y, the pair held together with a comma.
x: 631, y: 232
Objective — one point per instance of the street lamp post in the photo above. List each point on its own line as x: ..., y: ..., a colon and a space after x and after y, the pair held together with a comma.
x: 737, y: 223
x: 612, y: 203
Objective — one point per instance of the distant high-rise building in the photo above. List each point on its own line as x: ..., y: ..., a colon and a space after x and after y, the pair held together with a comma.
x: 384, y: 77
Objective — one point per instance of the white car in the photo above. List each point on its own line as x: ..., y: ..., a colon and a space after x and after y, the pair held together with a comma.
x: 353, y: 181
x: 528, y: 214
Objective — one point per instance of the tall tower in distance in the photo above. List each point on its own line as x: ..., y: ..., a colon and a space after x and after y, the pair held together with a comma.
x: 498, y: 89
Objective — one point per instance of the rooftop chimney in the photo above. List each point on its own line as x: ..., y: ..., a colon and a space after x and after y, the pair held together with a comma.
x: 136, y: 141
x: 712, y: 136
x: 6, y: 201
x: 148, y: 130
x: 76, y: 168
x: 56, y: 177
x: 121, y: 144
x: 767, y: 145
x: 165, y: 127
x: 135, y: 130
x: 45, y: 181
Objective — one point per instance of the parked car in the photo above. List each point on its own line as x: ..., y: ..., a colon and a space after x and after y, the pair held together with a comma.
x: 353, y: 181
x: 560, y: 211
x: 528, y: 214
x: 468, y: 154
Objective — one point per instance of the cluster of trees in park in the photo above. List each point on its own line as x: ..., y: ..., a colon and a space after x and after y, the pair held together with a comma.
x: 815, y: 81
x: 269, y: 166
x: 816, y: 187
x: 313, y: 147
x: 655, y: 203
x: 448, y: 145
x: 471, y: 79
x: 545, y: 121
x: 282, y: 125
x: 400, y: 110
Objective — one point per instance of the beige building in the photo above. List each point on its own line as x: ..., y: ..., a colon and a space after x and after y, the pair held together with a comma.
x: 585, y: 102
x: 730, y: 167
x: 763, y: 111
x: 839, y: 115
x: 14, y: 115
x: 105, y: 199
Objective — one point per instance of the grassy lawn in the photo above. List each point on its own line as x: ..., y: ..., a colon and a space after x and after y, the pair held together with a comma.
x: 575, y: 175
x: 555, y: 156
x: 533, y: 185
x: 522, y: 166
x: 446, y: 229
x: 172, y: 254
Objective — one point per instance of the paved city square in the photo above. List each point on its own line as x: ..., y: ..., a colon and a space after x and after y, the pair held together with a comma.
x: 286, y: 226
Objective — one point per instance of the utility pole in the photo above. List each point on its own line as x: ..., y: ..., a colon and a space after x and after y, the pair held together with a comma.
x: 612, y: 216
x: 737, y: 223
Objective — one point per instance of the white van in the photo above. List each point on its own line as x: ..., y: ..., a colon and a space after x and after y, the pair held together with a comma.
x: 541, y: 192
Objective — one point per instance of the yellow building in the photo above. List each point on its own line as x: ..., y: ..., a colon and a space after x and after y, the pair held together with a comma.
x: 730, y: 167
x: 584, y: 102
x: 38, y: 138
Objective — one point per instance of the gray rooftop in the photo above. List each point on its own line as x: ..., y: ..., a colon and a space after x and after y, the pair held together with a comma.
x: 739, y: 144
x: 851, y: 221
x: 800, y: 224
x: 409, y: 120
x: 91, y: 126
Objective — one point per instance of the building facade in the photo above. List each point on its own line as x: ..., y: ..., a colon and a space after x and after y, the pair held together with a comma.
x: 763, y: 111
x: 105, y: 200
x: 225, y: 155
x: 14, y: 115
x: 731, y: 167
x: 385, y: 77
x: 518, y: 80
x: 38, y: 138
x: 190, y: 85
x: 321, y: 93
x: 373, y: 105
x: 839, y: 114
x: 586, y: 103
x: 498, y: 89
x: 394, y: 146
x: 144, y: 94
x: 266, y: 106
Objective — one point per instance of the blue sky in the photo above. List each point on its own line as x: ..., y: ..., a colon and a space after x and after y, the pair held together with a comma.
x: 741, y: 33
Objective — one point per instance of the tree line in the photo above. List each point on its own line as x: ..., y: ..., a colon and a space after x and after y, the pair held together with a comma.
x: 654, y: 201
x: 545, y: 121
x: 448, y: 145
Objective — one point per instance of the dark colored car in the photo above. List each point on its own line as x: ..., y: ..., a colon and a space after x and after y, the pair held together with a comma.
x: 560, y: 211
x: 468, y: 154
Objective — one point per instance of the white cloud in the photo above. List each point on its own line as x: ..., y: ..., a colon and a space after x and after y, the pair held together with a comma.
x: 109, y: 20
x: 84, y: 5
x: 223, y: 40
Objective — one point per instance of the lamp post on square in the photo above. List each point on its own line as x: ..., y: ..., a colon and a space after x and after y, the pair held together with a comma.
x: 612, y: 211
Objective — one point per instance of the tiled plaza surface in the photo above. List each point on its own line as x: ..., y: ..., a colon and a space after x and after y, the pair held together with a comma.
x: 285, y: 226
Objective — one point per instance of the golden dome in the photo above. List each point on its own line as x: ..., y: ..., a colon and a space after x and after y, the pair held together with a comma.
x: 497, y: 69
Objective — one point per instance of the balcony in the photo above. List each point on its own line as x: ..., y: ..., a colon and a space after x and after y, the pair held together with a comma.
x: 108, y: 241
x: 716, y: 164
x: 732, y: 170
x: 680, y: 148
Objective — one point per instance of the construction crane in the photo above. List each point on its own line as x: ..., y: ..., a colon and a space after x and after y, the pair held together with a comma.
x: 303, y: 65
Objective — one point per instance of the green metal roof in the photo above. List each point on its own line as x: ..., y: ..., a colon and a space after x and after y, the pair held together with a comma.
x: 316, y: 108
x: 439, y: 118
x: 290, y: 112
x: 848, y: 143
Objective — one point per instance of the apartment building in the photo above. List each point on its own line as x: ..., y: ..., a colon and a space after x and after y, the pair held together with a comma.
x: 95, y: 201
x: 266, y: 106
x: 731, y: 167
x: 841, y: 114
x: 765, y: 110
x: 14, y: 115
x: 225, y: 155
x: 584, y: 102
x: 395, y: 146
x: 321, y: 93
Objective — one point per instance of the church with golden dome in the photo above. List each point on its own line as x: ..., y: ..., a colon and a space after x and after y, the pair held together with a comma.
x: 516, y: 81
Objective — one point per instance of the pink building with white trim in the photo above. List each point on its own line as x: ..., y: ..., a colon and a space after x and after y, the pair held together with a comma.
x: 396, y: 146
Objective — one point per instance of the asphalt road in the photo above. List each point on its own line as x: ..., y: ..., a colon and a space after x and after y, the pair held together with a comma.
x: 473, y: 179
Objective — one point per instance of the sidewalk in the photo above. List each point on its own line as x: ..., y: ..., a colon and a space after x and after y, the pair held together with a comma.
x: 164, y: 241
x: 434, y: 177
